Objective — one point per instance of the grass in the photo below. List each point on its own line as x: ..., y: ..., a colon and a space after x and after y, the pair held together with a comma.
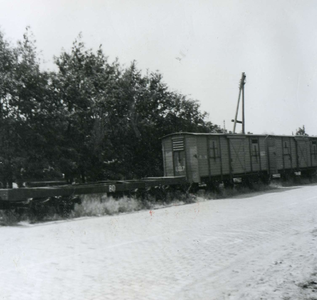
x: 99, y: 205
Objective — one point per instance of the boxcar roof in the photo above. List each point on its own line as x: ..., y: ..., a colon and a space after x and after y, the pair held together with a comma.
x: 231, y: 134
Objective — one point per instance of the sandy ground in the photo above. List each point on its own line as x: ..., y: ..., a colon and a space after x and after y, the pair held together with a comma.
x: 256, y: 247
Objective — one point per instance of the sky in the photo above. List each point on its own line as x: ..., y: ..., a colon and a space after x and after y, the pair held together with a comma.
x: 200, y: 47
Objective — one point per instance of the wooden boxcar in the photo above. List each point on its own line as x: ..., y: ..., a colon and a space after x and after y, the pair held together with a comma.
x: 207, y: 157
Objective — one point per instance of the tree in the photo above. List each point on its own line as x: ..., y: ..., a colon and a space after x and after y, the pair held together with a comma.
x: 117, y: 116
x: 86, y: 84
x: 90, y: 120
x: 19, y: 72
x: 29, y: 113
x: 152, y: 111
x: 301, y: 131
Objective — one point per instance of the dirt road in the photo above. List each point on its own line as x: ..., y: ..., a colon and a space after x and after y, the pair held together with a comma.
x: 258, y: 247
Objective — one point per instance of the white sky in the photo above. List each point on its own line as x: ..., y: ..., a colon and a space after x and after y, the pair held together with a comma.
x: 273, y: 42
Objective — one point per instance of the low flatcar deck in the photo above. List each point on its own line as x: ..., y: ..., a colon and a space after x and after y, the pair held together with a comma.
x: 21, y: 194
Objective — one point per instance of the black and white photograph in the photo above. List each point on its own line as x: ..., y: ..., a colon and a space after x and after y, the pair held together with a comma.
x: 158, y: 150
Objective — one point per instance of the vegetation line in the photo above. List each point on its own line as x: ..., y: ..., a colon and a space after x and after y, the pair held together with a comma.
x: 91, y: 119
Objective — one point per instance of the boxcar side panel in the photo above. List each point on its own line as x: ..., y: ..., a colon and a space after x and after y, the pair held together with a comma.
x: 167, y: 157
x: 224, y: 150
x: 279, y: 153
x: 202, y: 155
x: 215, y: 154
x: 192, y: 159
x: 240, y: 155
x: 286, y: 153
x: 263, y: 153
x: 303, y: 153
x: 293, y: 153
x: 271, y: 154
x: 313, y: 151
x: 254, y: 153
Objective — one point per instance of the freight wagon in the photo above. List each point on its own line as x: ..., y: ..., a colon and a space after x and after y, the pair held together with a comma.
x: 190, y: 160
x: 210, y: 158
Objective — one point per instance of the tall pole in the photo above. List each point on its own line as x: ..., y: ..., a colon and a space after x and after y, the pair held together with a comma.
x: 237, y: 110
x: 241, y: 91
x: 243, y: 118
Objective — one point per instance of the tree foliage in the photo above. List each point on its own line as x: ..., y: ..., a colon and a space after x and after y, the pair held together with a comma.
x: 90, y: 120
x: 301, y: 131
x: 24, y: 118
